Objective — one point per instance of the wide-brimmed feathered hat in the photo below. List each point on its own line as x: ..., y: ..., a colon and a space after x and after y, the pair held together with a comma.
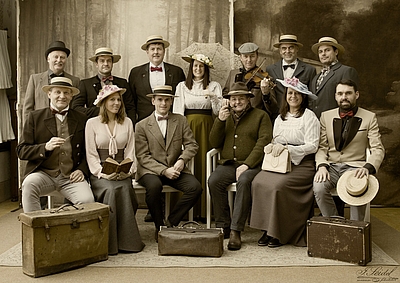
x: 297, y: 85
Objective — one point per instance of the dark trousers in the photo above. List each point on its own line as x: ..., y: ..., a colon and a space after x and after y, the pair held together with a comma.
x: 219, y: 180
x: 186, y: 183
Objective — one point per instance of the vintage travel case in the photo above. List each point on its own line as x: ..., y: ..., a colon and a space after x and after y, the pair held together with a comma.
x: 339, y: 239
x: 192, y: 241
x: 60, y: 239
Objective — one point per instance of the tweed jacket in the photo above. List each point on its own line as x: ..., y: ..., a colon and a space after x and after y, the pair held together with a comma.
x: 35, y: 98
x: 139, y: 82
x: 270, y: 105
x: 245, y: 142
x: 154, y: 154
x: 40, y: 127
x: 363, y: 134
x: 304, y: 72
x: 326, y: 92
x: 90, y: 88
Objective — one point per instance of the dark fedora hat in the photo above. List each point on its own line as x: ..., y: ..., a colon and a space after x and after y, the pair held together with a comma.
x: 238, y: 88
x: 57, y: 45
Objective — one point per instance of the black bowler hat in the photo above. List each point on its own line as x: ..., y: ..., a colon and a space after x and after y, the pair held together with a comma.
x: 57, y: 45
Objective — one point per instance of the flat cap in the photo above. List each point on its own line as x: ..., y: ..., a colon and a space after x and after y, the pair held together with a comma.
x: 248, y: 47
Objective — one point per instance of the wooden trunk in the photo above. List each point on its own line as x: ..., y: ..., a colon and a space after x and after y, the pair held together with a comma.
x: 60, y: 239
x: 339, y: 239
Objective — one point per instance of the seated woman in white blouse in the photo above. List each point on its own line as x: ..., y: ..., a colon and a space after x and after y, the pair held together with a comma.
x: 199, y: 98
x: 282, y: 203
x: 111, y: 135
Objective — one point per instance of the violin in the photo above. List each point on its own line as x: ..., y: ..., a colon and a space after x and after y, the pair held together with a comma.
x: 257, y: 75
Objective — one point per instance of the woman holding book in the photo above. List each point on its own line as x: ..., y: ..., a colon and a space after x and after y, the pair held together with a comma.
x: 110, y: 136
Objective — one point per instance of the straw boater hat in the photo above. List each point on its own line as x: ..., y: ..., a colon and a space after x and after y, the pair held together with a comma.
x: 201, y: 58
x: 248, y: 47
x: 288, y: 38
x: 326, y: 40
x: 155, y: 39
x: 356, y: 191
x: 297, y: 85
x: 107, y: 90
x: 105, y: 51
x: 57, y: 45
x: 61, y: 82
x: 163, y: 90
x: 238, y: 89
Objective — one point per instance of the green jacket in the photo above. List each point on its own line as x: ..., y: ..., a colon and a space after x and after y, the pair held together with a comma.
x: 245, y: 142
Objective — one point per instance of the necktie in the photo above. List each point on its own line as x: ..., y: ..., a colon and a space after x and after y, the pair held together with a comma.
x: 54, y: 111
x: 153, y: 69
x: 346, y: 114
x: 160, y: 118
x: 109, y: 78
x: 324, y: 72
x: 289, y: 66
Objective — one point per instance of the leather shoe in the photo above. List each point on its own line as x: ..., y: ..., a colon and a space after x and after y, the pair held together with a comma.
x: 227, y: 232
x: 148, y: 217
x: 274, y: 243
x: 264, y: 240
x: 235, y: 243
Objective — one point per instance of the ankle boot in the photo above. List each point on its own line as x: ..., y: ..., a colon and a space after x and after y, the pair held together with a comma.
x: 235, y: 243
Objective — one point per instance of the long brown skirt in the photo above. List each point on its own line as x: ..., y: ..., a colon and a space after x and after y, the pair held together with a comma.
x: 282, y: 203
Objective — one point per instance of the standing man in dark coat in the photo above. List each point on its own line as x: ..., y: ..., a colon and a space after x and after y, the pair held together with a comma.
x: 90, y: 88
x: 290, y: 66
x: 53, y: 143
x: 143, y: 79
x: 324, y: 84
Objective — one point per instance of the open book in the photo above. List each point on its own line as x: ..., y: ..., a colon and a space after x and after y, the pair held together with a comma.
x: 111, y: 166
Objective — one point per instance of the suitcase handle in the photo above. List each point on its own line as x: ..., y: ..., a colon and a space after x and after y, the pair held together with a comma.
x: 64, y: 206
x: 191, y: 222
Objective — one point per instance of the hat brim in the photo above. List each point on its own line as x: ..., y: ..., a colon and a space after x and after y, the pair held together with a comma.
x: 116, y: 58
x: 64, y: 49
x: 98, y: 102
x: 166, y: 43
x: 190, y: 59
x: 309, y: 93
x: 368, y: 196
x: 288, y: 42
x: 161, y: 94
x: 74, y: 90
x: 238, y: 92
x: 340, y: 47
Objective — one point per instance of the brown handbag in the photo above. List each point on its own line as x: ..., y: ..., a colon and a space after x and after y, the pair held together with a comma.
x: 192, y: 241
x: 278, y: 164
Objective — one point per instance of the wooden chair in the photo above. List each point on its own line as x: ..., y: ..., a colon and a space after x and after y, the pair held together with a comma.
x: 212, y: 157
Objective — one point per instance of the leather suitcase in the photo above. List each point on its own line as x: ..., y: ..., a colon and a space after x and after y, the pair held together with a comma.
x: 339, y: 239
x: 60, y: 239
x: 191, y: 241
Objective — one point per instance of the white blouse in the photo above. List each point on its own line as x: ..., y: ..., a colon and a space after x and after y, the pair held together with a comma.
x: 98, y: 136
x: 197, y: 97
x: 302, y: 133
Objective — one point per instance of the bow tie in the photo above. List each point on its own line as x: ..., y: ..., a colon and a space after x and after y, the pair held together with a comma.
x: 55, y: 75
x: 289, y: 66
x: 160, y: 118
x: 109, y: 78
x: 346, y: 114
x: 54, y: 111
x: 153, y: 69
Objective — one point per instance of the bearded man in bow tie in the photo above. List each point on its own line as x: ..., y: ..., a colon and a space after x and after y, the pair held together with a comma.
x: 53, y: 143
x: 144, y: 78
x: 290, y: 66
x: 346, y: 133
x: 104, y: 60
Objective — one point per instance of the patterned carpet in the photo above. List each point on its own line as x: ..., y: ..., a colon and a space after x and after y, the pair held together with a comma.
x: 251, y: 255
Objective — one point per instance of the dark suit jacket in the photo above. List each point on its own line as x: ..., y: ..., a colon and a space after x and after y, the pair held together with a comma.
x: 35, y: 98
x: 40, y: 127
x: 326, y: 92
x: 154, y: 155
x: 304, y: 72
x: 139, y: 82
x: 90, y: 88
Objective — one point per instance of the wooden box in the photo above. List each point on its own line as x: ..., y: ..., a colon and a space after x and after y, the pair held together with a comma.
x: 339, y: 239
x: 60, y: 239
